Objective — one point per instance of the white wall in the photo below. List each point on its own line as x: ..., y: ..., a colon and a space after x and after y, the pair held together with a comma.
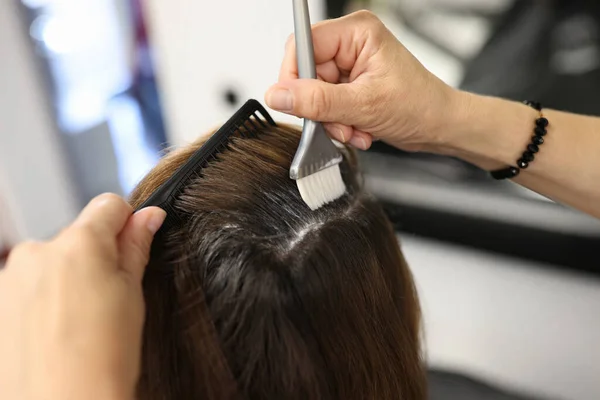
x: 202, y: 47
x: 30, y: 157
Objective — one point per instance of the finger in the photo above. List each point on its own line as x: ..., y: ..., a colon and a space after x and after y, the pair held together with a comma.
x: 341, y: 133
x: 105, y: 215
x: 21, y: 255
x: 329, y: 72
x: 336, y: 40
x: 289, y: 66
x: 361, y: 140
x: 136, y: 239
x: 322, y: 49
x: 316, y: 100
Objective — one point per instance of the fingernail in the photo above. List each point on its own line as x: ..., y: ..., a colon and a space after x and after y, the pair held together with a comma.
x: 364, y: 144
x: 336, y: 133
x: 156, y: 220
x: 105, y: 198
x: 341, y: 134
x: 358, y: 142
x: 281, y: 100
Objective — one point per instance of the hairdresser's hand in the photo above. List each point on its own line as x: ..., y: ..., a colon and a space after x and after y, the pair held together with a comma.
x: 369, y: 87
x: 72, y: 310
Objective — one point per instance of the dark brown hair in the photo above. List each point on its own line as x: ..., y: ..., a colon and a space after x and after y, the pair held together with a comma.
x: 256, y: 296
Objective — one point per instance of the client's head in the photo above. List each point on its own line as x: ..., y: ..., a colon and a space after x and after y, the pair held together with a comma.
x: 255, y: 296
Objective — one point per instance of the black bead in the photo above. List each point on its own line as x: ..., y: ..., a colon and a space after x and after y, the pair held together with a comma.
x: 541, y: 122
x: 538, y: 140
x: 522, y: 164
x: 528, y: 156
x: 533, y: 148
x: 533, y: 104
x: 505, y: 173
x: 540, y: 131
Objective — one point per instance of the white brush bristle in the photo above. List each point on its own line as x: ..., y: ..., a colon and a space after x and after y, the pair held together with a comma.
x: 322, y: 187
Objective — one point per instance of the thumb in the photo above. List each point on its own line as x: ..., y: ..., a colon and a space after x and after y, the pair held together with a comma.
x: 136, y: 239
x: 316, y: 100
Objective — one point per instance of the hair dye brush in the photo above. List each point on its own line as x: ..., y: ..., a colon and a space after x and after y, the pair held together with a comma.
x: 316, y: 164
x: 247, y: 122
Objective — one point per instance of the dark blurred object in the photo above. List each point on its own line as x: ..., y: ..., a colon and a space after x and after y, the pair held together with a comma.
x: 437, y: 197
x: 336, y: 8
x: 3, y: 255
x: 144, y: 88
x: 339, y: 8
x: 455, y: 28
x: 566, y: 250
x: 6, y: 232
x: 545, y: 50
x: 451, y: 386
x: 89, y: 182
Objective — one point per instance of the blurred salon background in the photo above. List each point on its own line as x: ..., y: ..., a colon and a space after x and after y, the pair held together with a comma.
x: 93, y: 91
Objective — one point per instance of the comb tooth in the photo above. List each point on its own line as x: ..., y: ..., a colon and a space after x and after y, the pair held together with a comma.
x: 222, y: 146
x: 259, y: 120
x: 256, y: 128
x: 252, y: 123
x: 195, y: 174
x: 238, y: 130
x: 249, y: 129
x: 256, y: 117
x: 242, y: 130
x: 266, y: 117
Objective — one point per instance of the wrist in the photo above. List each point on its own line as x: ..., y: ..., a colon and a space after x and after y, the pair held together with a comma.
x: 486, y: 131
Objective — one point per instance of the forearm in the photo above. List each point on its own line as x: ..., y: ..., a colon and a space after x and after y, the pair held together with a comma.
x: 493, y: 133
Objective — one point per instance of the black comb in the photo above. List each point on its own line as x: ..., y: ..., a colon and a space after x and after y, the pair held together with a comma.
x: 247, y: 122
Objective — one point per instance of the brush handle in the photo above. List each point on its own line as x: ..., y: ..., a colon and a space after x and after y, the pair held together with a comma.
x: 305, y: 51
x: 316, y: 152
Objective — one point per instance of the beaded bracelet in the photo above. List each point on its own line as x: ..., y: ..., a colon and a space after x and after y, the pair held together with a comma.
x: 541, y: 123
